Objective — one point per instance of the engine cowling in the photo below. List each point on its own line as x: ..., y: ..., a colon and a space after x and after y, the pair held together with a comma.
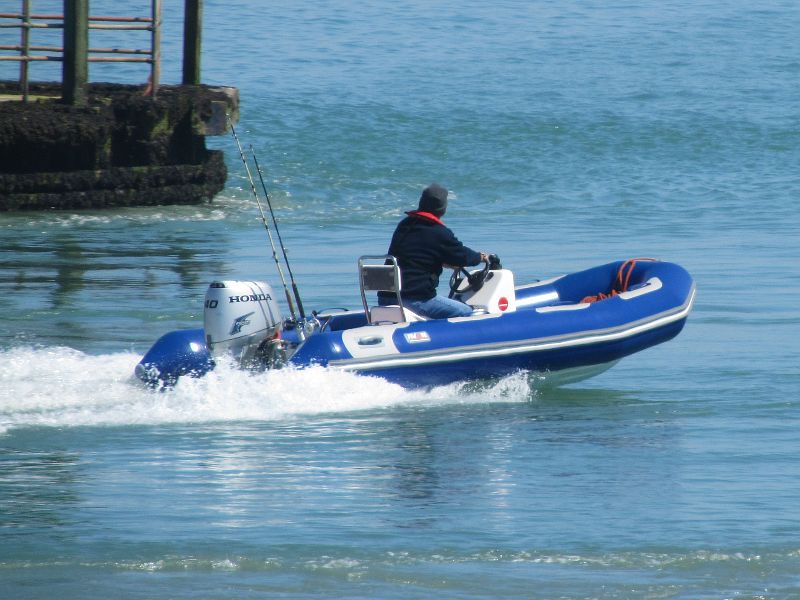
x: 238, y: 317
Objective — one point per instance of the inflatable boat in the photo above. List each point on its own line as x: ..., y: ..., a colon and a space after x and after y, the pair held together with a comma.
x: 565, y: 329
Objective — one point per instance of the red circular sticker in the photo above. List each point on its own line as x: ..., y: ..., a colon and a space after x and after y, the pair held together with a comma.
x: 502, y: 304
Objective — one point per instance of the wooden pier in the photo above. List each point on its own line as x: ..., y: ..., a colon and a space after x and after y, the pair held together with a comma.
x: 81, y: 144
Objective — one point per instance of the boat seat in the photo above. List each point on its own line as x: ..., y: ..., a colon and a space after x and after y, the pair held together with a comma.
x: 382, y: 274
x: 382, y: 315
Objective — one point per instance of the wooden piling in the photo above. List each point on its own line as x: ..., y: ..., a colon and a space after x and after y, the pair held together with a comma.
x: 192, y: 34
x: 76, y: 51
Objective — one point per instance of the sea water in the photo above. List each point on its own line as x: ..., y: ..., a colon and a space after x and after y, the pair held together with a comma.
x: 569, y: 134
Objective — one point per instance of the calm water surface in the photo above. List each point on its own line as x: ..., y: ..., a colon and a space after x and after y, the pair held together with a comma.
x: 570, y: 135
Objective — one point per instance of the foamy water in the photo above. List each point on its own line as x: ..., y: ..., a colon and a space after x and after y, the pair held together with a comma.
x: 62, y: 387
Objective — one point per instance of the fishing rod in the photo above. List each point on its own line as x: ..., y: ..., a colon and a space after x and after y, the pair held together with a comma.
x: 266, y: 225
x: 280, y: 240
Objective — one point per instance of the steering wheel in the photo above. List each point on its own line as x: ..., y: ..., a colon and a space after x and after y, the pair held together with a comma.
x: 474, y: 280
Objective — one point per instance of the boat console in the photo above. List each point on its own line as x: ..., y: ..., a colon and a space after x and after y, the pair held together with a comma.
x: 495, y: 296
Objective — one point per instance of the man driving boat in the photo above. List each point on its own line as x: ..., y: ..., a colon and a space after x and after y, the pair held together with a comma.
x: 423, y: 246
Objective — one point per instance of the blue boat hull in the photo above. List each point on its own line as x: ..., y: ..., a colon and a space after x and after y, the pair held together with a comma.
x: 551, y: 331
x: 175, y: 354
x: 558, y: 366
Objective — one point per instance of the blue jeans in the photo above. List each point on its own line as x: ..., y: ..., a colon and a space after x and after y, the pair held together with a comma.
x: 438, y: 307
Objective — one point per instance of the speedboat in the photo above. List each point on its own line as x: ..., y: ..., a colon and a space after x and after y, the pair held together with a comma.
x: 564, y: 329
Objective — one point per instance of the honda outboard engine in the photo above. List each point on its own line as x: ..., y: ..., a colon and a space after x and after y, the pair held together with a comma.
x: 241, y: 318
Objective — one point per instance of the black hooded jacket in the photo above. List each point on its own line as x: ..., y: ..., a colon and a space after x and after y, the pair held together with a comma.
x: 422, y: 245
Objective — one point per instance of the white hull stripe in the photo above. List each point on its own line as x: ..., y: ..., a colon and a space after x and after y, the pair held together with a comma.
x: 500, y: 349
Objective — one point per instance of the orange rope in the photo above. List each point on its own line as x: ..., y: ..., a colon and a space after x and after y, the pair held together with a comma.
x: 621, y: 282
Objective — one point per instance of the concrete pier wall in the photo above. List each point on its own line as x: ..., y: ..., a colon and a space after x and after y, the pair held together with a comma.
x: 122, y: 149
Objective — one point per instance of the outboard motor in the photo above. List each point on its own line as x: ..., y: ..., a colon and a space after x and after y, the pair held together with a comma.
x: 241, y: 319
